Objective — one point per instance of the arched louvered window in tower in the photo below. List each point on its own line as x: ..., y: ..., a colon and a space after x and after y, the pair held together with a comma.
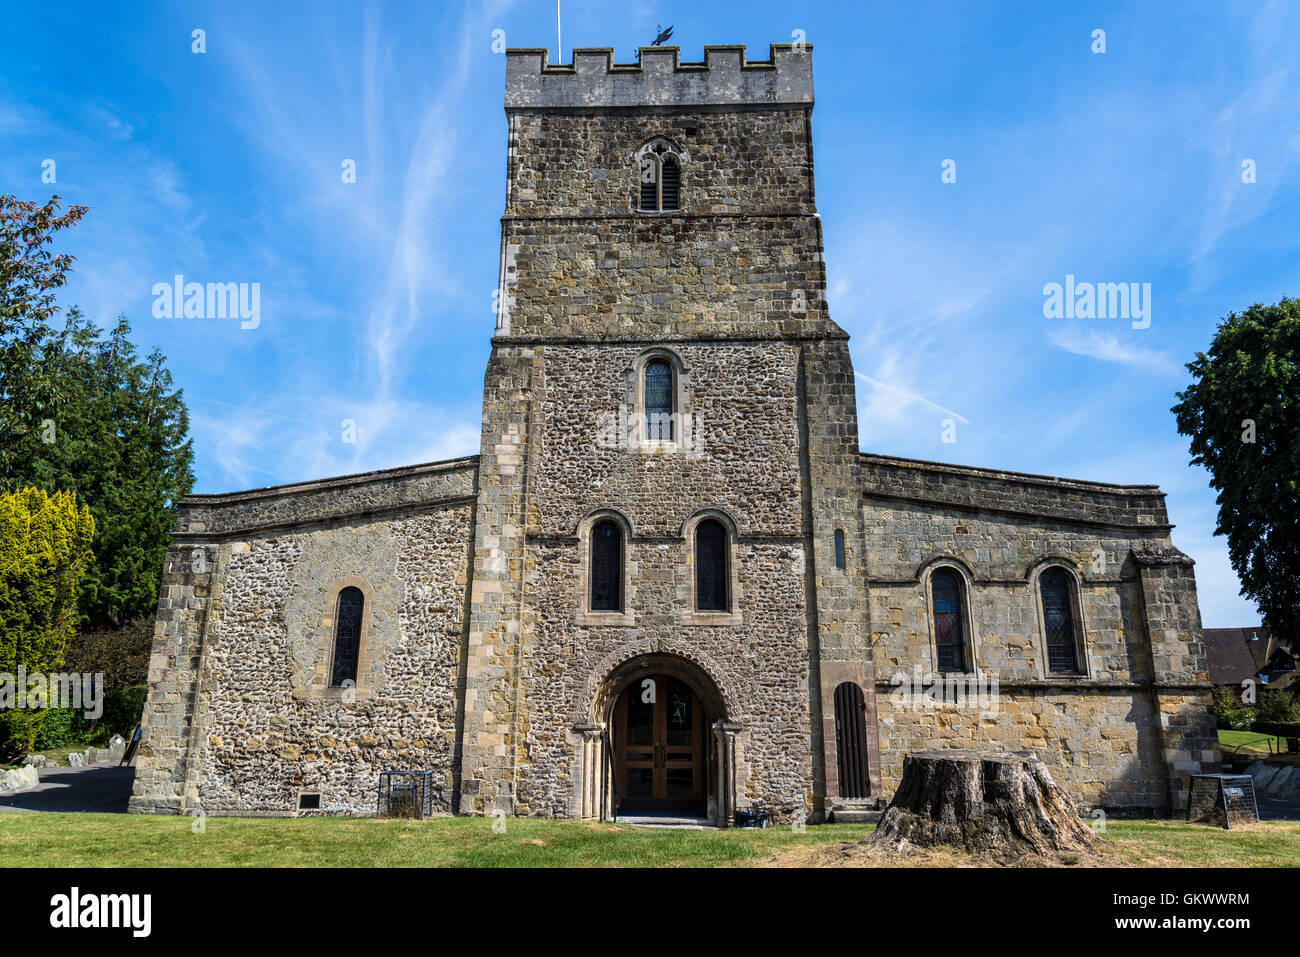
x: 347, y: 636
x: 670, y: 175
x: 660, y: 172
x: 1058, y: 621
x: 949, y: 621
x: 711, y: 574
x: 607, y: 566
x: 659, y: 400
x: 649, y: 183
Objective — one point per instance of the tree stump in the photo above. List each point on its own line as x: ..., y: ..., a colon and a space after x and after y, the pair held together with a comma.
x: 1000, y: 804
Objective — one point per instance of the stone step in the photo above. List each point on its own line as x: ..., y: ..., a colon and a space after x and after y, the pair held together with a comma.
x: 855, y: 815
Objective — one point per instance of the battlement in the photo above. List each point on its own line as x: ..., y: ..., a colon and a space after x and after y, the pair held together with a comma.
x: 594, y: 81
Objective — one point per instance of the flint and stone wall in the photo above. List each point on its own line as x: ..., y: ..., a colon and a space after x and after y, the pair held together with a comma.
x: 241, y: 718
x: 743, y: 462
x: 1121, y: 734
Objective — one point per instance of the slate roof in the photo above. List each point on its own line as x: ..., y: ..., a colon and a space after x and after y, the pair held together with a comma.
x: 1232, y: 653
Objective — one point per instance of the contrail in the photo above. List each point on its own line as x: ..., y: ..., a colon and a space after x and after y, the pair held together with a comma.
x: 913, y: 396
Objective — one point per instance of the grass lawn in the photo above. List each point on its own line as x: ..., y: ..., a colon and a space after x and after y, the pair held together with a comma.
x: 1249, y: 741
x: 42, y: 840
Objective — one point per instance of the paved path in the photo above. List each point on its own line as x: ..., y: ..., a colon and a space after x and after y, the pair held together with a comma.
x: 99, y: 787
x: 1271, y: 809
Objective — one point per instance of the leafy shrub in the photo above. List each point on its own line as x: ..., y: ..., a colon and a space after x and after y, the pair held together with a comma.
x: 65, y: 727
x: 1278, y: 707
x: 44, y: 552
x: 121, y: 655
x: 1278, y: 729
x: 122, y: 711
x: 1231, y: 715
x: 56, y: 729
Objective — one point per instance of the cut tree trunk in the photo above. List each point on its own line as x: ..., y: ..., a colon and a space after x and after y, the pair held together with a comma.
x: 1000, y: 804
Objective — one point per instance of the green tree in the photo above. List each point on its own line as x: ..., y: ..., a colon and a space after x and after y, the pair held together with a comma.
x: 88, y: 414
x: 119, y: 434
x: 44, y: 550
x: 30, y: 273
x: 1242, y: 412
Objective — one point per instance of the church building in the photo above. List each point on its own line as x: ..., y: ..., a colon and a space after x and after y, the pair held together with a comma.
x: 670, y: 581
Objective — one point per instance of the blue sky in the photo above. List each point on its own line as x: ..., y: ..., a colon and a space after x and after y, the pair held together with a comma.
x: 1122, y: 166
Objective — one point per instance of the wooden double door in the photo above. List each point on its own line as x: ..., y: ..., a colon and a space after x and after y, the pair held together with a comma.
x: 659, y: 746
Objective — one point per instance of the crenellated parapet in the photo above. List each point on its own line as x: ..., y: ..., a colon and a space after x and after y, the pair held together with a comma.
x: 592, y: 80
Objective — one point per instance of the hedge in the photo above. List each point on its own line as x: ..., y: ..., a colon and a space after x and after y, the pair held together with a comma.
x: 44, y: 551
x: 1279, y: 729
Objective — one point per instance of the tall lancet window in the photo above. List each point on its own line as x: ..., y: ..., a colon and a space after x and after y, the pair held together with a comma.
x: 711, y: 591
x: 606, y: 566
x: 347, y: 637
x: 949, y: 620
x: 659, y: 400
x: 1058, y: 622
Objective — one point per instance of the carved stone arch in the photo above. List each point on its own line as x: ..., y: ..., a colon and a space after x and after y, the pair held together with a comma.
x: 721, y: 514
x: 669, y: 149
x: 1036, y: 567
x: 927, y: 567
x: 726, y: 773
x: 593, y: 701
x: 583, y: 528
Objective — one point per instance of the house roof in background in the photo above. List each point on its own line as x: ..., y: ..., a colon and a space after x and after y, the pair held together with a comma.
x: 1233, y: 653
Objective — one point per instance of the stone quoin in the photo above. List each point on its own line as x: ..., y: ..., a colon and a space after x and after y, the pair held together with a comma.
x: 729, y: 620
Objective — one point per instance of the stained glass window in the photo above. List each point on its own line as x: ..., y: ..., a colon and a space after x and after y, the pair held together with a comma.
x: 949, y: 621
x: 347, y: 636
x: 1058, y: 621
x: 606, y: 567
x: 711, y: 567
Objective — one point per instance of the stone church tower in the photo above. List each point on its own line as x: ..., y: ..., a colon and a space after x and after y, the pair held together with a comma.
x: 670, y: 581
x: 662, y: 216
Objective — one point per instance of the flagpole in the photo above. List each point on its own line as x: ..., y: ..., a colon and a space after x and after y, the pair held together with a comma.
x: 559, y: 46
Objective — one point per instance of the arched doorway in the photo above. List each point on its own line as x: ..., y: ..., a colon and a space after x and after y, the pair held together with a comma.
x: 659, y: 738
x: 660, y: 752
x: 851, y: 741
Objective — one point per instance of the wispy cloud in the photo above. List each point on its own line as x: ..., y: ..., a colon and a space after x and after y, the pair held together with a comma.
x: 1244, y: 127
x: 274, y: 440
x: 1107, y: 347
